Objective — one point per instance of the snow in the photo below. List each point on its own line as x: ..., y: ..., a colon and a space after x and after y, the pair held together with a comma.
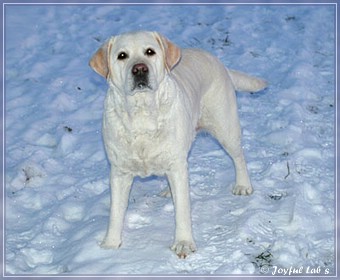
x: 57, y: 175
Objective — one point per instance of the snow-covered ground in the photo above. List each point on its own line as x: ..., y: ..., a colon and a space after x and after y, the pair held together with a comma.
x: 57, y: 187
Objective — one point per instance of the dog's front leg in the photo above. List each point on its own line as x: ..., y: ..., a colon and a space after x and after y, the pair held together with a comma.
x: 179, y: 184
x: 120, y: 190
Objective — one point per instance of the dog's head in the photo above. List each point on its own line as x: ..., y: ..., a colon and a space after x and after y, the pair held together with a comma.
x: 136, y: 62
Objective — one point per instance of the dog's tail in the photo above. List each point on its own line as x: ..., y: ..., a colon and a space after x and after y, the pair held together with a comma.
x: 245, y: 82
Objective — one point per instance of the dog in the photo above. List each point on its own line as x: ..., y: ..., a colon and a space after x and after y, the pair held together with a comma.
x: 159, y: 96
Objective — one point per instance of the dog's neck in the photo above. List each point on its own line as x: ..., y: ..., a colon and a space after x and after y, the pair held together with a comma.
x: 150, y: 108
x: 142, y: 104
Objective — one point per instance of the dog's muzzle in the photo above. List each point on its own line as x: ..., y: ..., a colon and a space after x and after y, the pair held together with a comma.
x: 140, y: 74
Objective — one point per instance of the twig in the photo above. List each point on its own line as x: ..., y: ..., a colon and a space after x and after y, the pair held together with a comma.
x: 288, y: 170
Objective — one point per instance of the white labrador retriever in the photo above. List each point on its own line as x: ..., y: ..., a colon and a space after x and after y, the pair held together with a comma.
x: 159, y: 96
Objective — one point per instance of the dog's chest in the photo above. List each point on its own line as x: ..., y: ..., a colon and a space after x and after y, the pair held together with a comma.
x: 140, y: 145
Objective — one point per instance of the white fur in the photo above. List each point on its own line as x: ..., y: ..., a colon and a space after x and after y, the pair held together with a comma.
x: 150, y: 131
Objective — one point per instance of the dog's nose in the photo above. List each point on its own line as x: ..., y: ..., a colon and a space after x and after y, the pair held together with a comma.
x: 139, y: 69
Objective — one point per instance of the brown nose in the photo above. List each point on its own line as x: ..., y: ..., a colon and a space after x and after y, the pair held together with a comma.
x: 139, y: 69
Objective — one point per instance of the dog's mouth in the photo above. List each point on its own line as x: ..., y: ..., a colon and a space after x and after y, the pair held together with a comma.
x: 140, y: 85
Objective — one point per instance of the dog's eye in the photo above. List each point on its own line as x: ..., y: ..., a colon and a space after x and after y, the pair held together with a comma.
x: 122, y: 56
x: 150, y: 52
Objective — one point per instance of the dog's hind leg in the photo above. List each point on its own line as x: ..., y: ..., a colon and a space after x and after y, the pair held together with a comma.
x: 231, y: 142
x: 220, y: 118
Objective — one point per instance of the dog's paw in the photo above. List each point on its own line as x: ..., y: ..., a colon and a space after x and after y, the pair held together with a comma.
x: 242, y: 190
x: 183, y: 248
x: 110, y: 244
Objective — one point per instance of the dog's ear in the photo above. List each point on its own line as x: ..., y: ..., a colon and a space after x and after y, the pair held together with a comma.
x: 100, y: 60
x: 172, y: 53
